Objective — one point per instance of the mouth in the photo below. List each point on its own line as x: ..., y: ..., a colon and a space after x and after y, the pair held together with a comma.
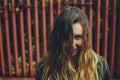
x: 74, y: 52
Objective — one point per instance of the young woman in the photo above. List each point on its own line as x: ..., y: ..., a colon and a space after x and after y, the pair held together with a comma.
x: 70, y: 53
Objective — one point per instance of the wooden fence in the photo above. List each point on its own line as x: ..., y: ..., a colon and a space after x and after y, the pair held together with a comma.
x: 25, y: 26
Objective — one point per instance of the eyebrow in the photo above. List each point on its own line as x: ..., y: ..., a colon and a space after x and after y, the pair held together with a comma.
x: 78, y: 35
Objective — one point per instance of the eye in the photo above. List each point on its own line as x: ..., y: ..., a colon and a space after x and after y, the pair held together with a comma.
x: 77, y: 37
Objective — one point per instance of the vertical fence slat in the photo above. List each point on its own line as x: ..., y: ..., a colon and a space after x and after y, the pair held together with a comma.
x: 1, y: 51
x: 36, y: 31
x: 105, y: 43
x: 112, y: 50
x: 22, y: 40
x: 97, y: 38
x: 66, y: 2
x: 15, y: 37
x: 51, y: 15
x: 44, y: 28
x: 58, y: 7
x: 29, y: 37
x: 90, y: 14
x: 7, y: 38
x: 83, y: 5
x: 74, y: 2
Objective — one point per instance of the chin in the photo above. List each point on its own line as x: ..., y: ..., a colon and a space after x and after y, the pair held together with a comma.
x: 74, y: 54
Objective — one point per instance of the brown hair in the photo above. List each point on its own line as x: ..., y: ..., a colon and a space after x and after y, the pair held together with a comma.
x: 59, y: 65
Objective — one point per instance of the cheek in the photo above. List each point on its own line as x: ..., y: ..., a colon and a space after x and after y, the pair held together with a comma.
x: 80, y: 42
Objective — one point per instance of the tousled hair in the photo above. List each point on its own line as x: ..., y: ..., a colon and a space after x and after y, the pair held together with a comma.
x: 59, y: 64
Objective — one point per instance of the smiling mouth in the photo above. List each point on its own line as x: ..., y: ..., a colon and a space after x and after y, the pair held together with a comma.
x: 74, y: 52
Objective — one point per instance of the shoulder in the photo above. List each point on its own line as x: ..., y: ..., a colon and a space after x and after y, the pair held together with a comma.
x: 102, y: 63
x: 40, y: 68
x: 103, y: 68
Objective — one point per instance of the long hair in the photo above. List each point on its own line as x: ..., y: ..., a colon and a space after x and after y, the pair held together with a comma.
x: 59, y: 63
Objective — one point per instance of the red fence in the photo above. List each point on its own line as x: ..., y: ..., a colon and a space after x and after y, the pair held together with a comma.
x: 25, y: 26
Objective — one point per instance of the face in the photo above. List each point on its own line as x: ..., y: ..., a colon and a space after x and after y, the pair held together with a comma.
x: 77, y: 37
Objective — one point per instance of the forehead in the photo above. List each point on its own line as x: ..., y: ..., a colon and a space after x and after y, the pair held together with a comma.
x: 77, y: 29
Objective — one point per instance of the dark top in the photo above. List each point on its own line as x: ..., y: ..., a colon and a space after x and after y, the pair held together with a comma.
x: 102, y: 66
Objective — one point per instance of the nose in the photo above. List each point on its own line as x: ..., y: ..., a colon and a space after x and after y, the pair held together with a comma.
x: 74, y: 44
